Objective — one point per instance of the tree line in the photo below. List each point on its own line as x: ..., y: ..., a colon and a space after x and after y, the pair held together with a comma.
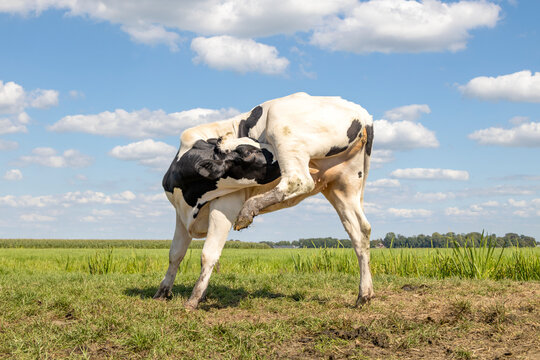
x: 435, y: 240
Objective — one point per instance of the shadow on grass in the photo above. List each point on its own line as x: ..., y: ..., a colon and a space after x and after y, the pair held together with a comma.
x: 221, y: 296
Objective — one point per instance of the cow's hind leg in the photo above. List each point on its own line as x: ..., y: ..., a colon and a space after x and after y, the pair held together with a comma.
x: 347, y: 202
x: 223, y: 211
x: 179, y: 245
x: 295, y: 180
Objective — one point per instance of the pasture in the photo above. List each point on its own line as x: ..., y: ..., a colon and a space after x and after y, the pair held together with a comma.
x: 270, y: 303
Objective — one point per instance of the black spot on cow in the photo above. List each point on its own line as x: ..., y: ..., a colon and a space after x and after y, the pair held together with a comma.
x: 199, y: 207
x: 359, y: 174
x: 369, y: 143
x: 352, y: 133
x: 354, y: 130
x: 199, y: 169
x: 336, y: 150
x: 250, y: 122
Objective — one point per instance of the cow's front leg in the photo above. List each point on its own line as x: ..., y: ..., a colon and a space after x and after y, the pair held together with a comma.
x: 223, y: 211
x: 179, y: 246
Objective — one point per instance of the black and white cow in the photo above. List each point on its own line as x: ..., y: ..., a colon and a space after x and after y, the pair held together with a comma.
x: 281, y: 152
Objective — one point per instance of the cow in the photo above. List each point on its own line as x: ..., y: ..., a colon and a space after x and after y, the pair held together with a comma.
x: 282, y: 151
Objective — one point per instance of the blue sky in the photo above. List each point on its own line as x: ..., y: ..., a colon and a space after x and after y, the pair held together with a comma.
x: 94, y: 96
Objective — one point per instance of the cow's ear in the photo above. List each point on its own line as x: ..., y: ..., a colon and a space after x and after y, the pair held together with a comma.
x: 211, y: 169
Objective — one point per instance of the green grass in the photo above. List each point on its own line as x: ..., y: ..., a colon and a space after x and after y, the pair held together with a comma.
x: 476, y: 263
x: 81, y: 303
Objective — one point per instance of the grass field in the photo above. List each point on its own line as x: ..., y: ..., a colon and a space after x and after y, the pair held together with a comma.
x: 270, y: 303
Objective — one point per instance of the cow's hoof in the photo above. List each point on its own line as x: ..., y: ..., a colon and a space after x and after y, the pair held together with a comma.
x: 242, y: 222
x: 363, y: 300
x: 163, y: 294
x: 191, y: 305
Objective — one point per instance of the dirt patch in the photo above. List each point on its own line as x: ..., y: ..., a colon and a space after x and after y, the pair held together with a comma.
x: 378, y: 339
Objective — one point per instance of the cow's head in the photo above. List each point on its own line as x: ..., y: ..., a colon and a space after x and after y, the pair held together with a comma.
x: 243, y: 161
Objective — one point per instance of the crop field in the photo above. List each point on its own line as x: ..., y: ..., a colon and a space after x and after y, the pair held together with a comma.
x: 96, y: 303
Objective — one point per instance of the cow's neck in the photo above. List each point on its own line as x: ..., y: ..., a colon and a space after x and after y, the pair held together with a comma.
x: 224, y: 128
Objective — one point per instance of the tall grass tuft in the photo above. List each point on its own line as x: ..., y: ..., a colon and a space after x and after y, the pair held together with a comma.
x: 101, y: 262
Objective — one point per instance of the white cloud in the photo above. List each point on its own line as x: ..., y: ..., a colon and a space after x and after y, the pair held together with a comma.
x: 43, y: 99
x: 318, y: 204
x: 517, y: 203
x: 36, y: 218
x: 76, y: 94
x: 155, y: 154
x: 523, y: 135
x: 498, y: 190
x: 47, y: 156
x: 379, y: 157
x: 8, y: 126
x: 349, y: 25
x: 13, y: 102
x: 518, y: 120
x: 27, y: 201
x: 491, y: 203
x: 405, y: 26
x: 384, y: 183
x: 455, y: 211
x: 96, y: 197
x: 243, y: 18
x: 140, y: 123
x: 151, y: 34
x: 408, y: 112
x: 8, y: 145
x: 12, y: 98
x: 409, y: 213
x: 403, y: 135
x: 520, y: 86
x: 13, y: 175
x: 241, y: 55
x: 430, y: 174
x: 434, y: 196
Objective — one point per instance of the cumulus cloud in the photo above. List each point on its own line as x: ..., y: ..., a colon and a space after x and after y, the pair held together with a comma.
x: 407, y: 113
x: 434, y: 196
x: 139, y: 124
x: 8, y: 145
x: 403, y: 135
x: 318, y: 204
x: 517, y: 203
x: 409, y: 213
x: 235, y: 17
x: 430, y: 174
x: 241, y: 55
x: 470, y: 211
x: 43, y: 99
x: 520, y: 86
x: 348, y: 25
x: 49, y: 157
x: 379, y: 157
x: 523, y: 135
x: 405, y: 26
x: 151, y: 34
x: 8, y: 126
x: 67, y: 199
x: 386, y: 183
x: 13, y: 175
x: 14, y: 99
x: 13, y: 102
x: 96, y: 197
x: 154, y: 154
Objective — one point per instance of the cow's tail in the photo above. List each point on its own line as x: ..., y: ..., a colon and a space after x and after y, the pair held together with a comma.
x: 367, y: 158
